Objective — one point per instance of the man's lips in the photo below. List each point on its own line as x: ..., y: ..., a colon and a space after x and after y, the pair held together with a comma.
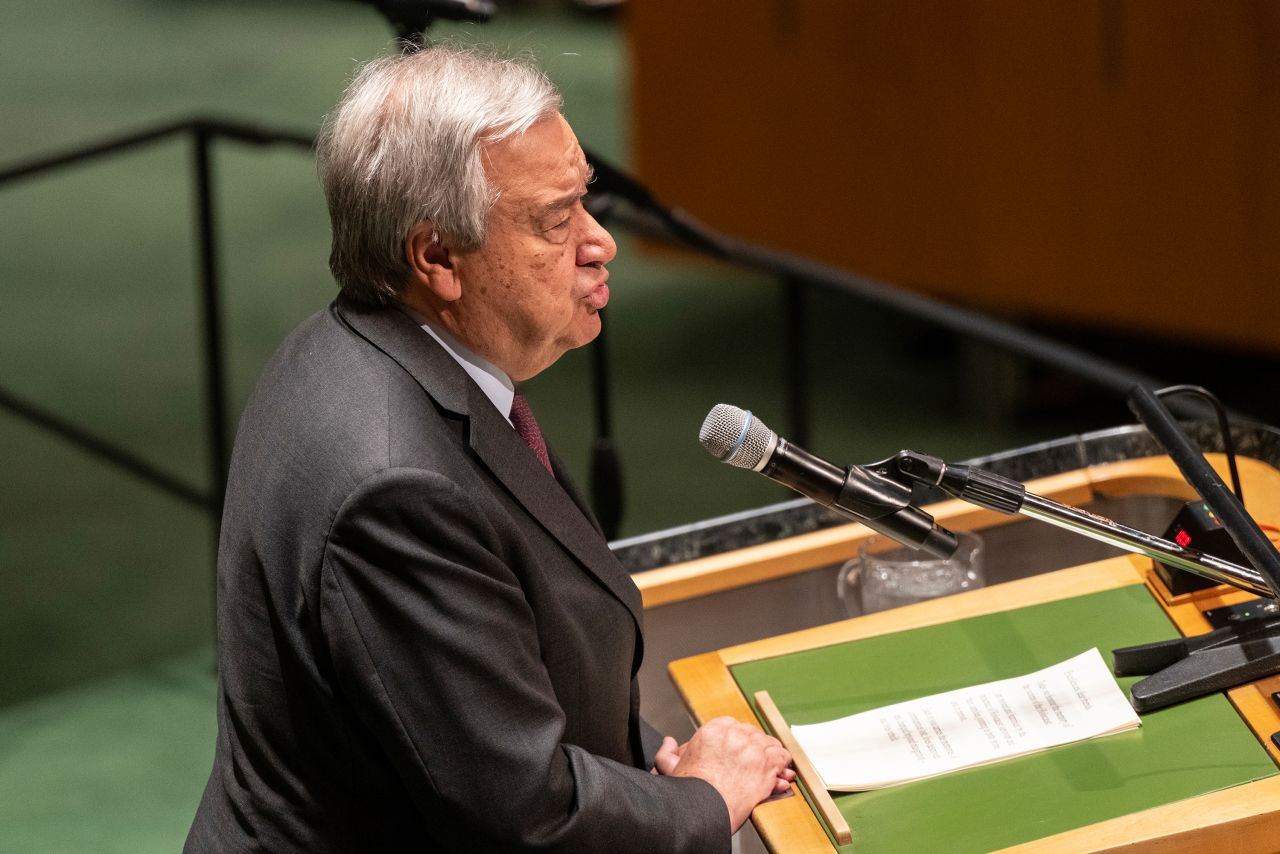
x: 598, y: 297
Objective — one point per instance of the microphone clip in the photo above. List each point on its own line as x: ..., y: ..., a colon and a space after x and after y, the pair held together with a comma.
x: 881, y: 496
x: 968, y: 483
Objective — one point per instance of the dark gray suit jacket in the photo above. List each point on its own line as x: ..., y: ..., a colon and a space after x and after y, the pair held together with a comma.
x: 424, y: 640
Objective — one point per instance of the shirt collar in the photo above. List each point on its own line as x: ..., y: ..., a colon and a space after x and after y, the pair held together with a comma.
x: 493, y: 381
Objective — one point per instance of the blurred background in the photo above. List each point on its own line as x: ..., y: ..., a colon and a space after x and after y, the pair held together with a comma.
x: 1101, y: 174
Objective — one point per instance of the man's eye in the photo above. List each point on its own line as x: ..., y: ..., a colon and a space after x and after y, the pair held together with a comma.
x: 563, y: 223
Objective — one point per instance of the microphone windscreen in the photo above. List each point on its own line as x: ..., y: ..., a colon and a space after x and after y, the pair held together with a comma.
x: 735, y: 436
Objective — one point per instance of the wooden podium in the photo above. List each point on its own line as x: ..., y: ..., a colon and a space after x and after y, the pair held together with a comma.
x: 1241, y: 818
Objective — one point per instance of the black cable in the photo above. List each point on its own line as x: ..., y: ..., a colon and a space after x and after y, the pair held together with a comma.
x: 1228, y: 445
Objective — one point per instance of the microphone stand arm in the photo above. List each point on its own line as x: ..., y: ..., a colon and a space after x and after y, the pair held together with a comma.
x: 1008, y: 496
x: 1176, y: 670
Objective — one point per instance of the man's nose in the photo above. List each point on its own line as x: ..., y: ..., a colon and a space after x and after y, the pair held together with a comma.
x: 598, y: 245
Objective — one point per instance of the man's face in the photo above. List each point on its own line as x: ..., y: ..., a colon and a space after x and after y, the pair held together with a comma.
x: 535, y: 287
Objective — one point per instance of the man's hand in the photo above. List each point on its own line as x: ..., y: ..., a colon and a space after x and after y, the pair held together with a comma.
x: 743, y: 764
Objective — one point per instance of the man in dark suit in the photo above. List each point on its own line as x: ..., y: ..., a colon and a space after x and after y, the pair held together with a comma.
x: 424, y: 640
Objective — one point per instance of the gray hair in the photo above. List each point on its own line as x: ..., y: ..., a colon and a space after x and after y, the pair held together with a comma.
x: 403, y: 146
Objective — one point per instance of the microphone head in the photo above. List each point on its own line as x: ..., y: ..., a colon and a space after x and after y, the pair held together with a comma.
x: 737, y: 437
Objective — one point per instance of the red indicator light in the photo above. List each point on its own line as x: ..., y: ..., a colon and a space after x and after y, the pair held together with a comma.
x: 1182, y: 538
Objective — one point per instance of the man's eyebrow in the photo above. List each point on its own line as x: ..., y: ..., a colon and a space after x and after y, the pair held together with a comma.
x: 563, y: 202
x: 568, y: 200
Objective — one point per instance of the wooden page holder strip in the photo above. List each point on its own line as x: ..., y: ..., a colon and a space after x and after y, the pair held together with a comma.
x: 804, y: 769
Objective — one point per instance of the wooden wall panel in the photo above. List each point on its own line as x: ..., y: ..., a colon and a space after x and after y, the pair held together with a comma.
x: 1110, y: 162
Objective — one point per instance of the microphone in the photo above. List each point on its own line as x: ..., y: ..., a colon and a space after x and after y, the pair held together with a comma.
x: 412, y: 18
x: 737, y: 437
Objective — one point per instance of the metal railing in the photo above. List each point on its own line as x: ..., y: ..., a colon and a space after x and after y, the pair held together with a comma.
x: 203, y: 131
x: 616, y: 197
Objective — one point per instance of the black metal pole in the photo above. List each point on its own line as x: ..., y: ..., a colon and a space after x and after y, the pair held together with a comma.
x: 230, y: 128
x: 795, y: 377
x: 211, y: 325
x: 103, y: 450
x: 75, y: 156
x: 606, y: 469
x: 681, y: 229
x: 1242, y: 528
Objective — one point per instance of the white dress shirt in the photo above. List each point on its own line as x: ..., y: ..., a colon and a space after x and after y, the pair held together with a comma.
x: 493, y: 381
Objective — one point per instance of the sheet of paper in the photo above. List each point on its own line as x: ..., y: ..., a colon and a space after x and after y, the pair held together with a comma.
x: 1070, y: 701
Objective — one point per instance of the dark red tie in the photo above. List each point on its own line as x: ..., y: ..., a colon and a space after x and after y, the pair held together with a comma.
x: 527, y: 426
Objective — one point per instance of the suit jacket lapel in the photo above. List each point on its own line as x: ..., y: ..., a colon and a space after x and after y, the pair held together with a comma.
x: 498, y: 446
x: 562, y: 476
x: 511, y: 461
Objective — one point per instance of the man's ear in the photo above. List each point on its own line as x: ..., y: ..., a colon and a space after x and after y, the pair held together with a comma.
x: 429, y: 263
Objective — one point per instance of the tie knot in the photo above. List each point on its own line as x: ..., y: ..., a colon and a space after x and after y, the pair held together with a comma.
x: 527, y: 428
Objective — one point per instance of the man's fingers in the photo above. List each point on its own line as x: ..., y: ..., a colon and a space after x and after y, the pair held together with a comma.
x: 784, y: 780
x: 743, y: 763
x: 776, y: 753
x: 667, y: 757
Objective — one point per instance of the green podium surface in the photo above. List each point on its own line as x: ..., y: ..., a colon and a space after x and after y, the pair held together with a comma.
x: 1180, y: 752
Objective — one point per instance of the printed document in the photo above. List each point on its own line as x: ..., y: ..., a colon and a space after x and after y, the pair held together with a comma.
x: 1067, y: 702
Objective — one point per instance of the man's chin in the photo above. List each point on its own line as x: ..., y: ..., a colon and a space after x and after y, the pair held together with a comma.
x: 586, y: 330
